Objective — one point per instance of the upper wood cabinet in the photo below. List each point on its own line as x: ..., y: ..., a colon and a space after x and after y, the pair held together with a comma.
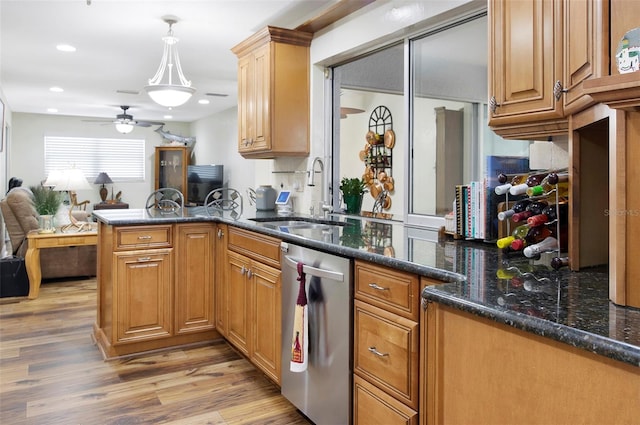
x: 540, y: 53
x: 273, y: 93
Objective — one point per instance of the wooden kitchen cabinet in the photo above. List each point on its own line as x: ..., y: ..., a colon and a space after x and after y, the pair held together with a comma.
x: 171, y: 168
x: 489, y: 368
x: 194, y: 278
x: 254, y: 299
x: 385, y: 345
x: 273, y: 93
x: 221, y: 282
x: 143, y: 295
x: 540, y: 53
x: 155, y: 287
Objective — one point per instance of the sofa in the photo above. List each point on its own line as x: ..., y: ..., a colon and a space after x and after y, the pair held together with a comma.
x: 20, y: 217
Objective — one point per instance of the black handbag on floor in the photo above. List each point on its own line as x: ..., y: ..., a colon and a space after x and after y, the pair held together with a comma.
x: 13, y: 277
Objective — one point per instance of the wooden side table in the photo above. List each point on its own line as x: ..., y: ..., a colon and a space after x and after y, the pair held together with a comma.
x: 111, y: 206
x: 38, y: 241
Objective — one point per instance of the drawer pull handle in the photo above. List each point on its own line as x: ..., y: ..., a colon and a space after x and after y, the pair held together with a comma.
x: 377, y: 353
x: 378, y: 287
x: 144, y: 259
x: 144, y: 238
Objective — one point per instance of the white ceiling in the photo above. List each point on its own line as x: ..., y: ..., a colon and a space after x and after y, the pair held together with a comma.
x: 119, y: 46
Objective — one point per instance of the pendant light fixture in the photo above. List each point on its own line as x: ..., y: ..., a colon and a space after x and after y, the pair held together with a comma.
x: 161, y: 88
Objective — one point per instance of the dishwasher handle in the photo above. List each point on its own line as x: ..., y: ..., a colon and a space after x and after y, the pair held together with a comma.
x: 314, y: 271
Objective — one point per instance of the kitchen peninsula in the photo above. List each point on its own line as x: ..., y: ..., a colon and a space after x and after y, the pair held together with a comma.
x: 510, y: 325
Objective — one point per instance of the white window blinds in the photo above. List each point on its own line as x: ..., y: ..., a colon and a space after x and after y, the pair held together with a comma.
x: 122, y: 159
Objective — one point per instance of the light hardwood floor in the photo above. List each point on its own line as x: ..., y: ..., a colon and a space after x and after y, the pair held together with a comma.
x: 52, y: 373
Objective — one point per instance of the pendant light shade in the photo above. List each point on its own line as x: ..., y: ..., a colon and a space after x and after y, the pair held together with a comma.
x: 162, y: 88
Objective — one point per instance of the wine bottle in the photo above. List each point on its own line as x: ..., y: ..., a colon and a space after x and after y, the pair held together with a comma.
x: 536, y: 179
x: 515, y: 208
x: 518, y: 233
x: 518, y: 189
x: 535, y: 235
x: 521, y: 216
x: 559, y: 181
x: 550, y: 214
x: 502, y: 189
x: 504, y: 242
x: 536, y: 207
x: 559, y: 262
x: 548, y: 244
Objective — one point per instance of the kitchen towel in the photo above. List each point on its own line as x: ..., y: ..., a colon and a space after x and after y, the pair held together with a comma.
x: 300, y: 340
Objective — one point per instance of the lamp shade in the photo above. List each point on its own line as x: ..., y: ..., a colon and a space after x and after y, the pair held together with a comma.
x: 72, y: 179
x: 103, y: 178
x: 54, y: 178
x: 124, y: 128
x: 169, y: 95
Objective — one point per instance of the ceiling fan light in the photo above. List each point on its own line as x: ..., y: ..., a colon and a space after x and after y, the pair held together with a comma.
x: 124, y: 128
x: 169, y: 95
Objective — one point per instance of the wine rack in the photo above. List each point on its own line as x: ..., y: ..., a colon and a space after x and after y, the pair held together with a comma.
x: 552, y: 194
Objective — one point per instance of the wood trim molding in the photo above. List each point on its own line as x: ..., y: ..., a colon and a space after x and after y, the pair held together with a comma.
x: 333, y: 14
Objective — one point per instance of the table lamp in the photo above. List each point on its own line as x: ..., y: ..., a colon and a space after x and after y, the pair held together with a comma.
x: 103, y: 178
x: 71, y: 180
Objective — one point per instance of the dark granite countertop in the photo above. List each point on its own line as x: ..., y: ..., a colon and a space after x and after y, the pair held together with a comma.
x: 570, y: 307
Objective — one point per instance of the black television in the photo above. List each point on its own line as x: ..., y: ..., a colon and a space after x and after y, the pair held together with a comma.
x: 202, y: 179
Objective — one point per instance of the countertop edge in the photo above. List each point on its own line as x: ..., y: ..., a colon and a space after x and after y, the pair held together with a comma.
x: 593, y: 343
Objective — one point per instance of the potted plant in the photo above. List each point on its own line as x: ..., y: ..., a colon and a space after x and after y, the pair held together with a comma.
x: 47, y: 202
x: 352, y: 190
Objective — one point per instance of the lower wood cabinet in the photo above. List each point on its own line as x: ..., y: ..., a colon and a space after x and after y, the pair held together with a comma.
x: 221, y: 282
x: 194, y: 278
x: 479, y: 371
x: 374, y: 406
x: 143, y: 295
x: 385, y: 345
x: 155, y: 287
x: 253, y: 300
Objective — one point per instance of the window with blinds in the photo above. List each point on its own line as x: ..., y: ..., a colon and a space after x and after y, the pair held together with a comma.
x: 122, y: 159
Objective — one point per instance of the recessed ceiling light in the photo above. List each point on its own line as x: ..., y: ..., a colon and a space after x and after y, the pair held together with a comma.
x: 204, y: 101
x: 56, y: 89
x: 65, y: 48
x: 52, y: 110
x: 168, y: 117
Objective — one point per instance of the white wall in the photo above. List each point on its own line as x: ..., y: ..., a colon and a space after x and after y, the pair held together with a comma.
x: 27, y: 150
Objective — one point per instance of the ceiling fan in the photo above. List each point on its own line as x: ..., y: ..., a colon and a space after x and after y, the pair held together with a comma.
x: 124, y: 122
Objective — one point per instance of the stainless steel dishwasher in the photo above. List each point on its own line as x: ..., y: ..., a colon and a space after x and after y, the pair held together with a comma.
x: 323, y: 391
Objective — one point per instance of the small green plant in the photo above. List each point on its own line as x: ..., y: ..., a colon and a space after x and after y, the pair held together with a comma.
x: 46, y: 201
x: 351, y: 186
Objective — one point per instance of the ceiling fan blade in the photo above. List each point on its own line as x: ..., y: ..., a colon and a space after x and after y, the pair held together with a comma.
x: 147, y: 123
x: 102, y: 120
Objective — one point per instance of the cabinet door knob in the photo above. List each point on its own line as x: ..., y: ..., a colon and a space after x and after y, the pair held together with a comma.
x: 243, y: 270
x: 558, y: 90
x: 220, y: 233
x: 493, y: 104
x: 249, y: 273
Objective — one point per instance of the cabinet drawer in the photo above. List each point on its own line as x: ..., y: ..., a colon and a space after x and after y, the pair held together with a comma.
x: 386, y: 288
x: 373, y: 406
x: 386, y: 352
x: 136, y: 237
x: 259, y: 247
